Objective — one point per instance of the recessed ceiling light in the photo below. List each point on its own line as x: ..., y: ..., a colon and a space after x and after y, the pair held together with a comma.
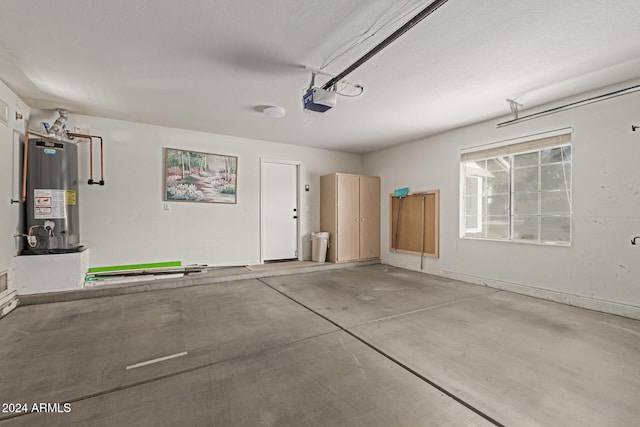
x: 274, y: 112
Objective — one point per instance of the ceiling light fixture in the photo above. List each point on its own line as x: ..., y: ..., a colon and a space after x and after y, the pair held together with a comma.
x: 274, y: 112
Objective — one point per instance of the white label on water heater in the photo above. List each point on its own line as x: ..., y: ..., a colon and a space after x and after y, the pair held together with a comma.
x: 49, y: 204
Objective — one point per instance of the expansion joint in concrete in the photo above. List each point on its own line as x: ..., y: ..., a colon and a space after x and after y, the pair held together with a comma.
x: 392, y: 359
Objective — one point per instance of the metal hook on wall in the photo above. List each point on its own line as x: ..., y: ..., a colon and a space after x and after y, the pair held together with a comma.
x: 634, y: 128
x: 633, y: 241
x: 515, y: 108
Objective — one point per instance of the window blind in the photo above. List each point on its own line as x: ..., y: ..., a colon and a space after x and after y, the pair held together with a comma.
x: 522, y: 147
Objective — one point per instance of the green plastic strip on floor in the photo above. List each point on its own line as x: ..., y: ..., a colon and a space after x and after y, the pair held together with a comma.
x: 135, y: 266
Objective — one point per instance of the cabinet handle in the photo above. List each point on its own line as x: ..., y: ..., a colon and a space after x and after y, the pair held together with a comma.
x: 362, y: 219
x: 356, y: 220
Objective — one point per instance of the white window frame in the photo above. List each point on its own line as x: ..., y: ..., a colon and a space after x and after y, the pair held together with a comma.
x: 512, y: 148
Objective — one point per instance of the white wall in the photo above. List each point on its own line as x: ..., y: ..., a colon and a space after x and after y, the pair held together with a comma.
x: 9, y: 213
x: 600, y: 270
x: 124, y: 221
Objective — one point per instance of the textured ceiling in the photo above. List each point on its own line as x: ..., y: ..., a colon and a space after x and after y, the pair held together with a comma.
x: 213, y: 65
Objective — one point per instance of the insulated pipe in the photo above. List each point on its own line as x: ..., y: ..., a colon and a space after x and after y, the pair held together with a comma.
x: 56, y: 127
x: 386, y: 42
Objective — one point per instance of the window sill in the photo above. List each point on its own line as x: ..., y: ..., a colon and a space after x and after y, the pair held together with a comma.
x: 526, y: 242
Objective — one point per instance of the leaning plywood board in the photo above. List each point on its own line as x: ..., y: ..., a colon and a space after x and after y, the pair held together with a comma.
x: 415, y: 230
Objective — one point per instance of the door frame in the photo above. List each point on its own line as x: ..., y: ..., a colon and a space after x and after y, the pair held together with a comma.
x: 297, y: 164
x: 8, y: 300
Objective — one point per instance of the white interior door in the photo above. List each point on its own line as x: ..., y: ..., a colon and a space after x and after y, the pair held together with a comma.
x: 279, y: 211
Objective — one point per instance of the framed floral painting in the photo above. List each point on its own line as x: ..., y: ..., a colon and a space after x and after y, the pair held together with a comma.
x: 193, y: 176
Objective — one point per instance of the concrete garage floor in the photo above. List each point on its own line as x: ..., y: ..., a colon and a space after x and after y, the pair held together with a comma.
x: 363, y: 346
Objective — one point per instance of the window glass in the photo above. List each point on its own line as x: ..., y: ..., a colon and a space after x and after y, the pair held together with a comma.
x: 498, y: 205
x: 525, y: 179
x: 498, y: 164
x: 555, y: 177
x: 519, y: 197
x: 525, y: 203
x: 556, y: 229
x: 525, y: 227
x: 473, y: 204
x: 476, y: 168
x: 528, y: 159
x: 551, y: 155
x: 473, y: 226
x: 473, y: 187
x: 556, y: 202
x: 497, y: 227
x: 498, y: 183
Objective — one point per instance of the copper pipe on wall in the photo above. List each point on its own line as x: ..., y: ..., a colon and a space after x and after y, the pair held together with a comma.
x: 23, y: 198
x: 101, y: 164
x: 90, y: 138
x: 41, y: 135
x: 90, y: 162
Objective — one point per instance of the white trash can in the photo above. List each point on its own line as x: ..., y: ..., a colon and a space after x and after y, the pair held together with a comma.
x: 319, y: 243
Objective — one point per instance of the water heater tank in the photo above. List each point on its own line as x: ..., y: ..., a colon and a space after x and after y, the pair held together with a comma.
x: 52, y: 217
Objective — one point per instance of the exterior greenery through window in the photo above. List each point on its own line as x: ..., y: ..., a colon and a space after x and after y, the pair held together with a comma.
x: 520, y: 192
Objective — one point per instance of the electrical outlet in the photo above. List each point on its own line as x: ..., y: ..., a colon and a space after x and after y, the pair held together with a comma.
x: 166, y: 206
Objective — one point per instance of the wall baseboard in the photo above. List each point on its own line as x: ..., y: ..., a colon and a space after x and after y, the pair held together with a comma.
x: 581, y: 301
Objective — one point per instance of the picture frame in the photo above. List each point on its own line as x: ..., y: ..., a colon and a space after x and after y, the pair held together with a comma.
x: 196, y: 176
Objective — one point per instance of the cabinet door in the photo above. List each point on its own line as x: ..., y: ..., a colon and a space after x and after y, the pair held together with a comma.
x: 348, y: 217
x: 369, y: 217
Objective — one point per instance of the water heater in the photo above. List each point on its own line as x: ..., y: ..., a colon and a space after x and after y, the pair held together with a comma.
x: 52, y: 216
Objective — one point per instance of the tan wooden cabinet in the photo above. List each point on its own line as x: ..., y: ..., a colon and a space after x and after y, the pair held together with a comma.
x: 350, y: 212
